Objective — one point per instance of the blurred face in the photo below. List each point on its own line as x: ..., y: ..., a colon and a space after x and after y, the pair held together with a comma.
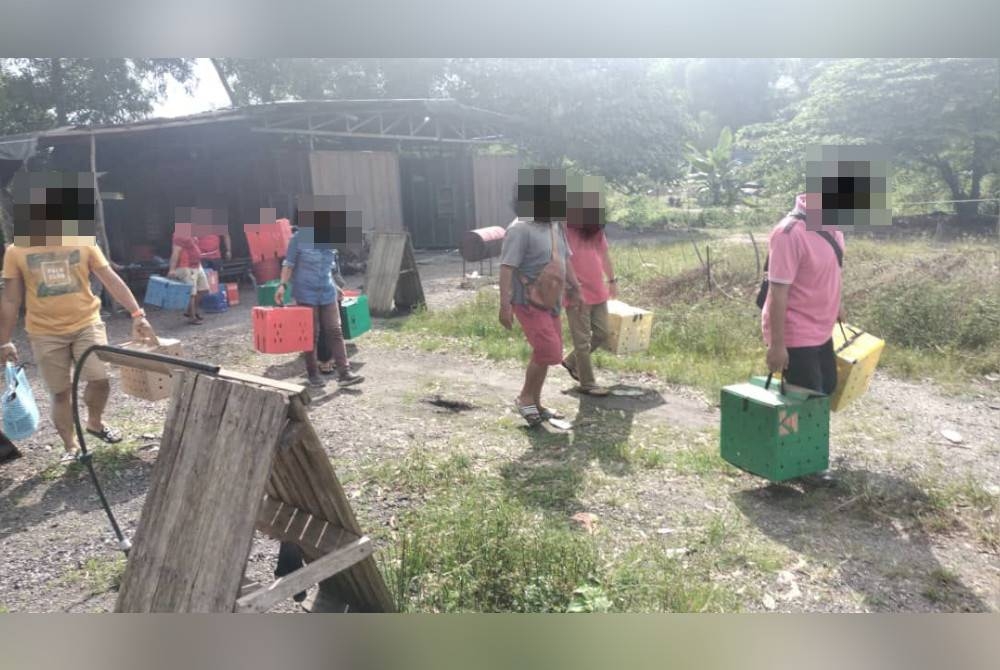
x: 54, y: 209
x: 541, y: 195
x: 329, y: 222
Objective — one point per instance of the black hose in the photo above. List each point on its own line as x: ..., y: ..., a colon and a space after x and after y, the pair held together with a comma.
x: 85, y: 457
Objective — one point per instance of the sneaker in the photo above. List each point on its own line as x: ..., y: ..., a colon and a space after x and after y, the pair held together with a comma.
x: 348, y: 378
x: 316, y: 381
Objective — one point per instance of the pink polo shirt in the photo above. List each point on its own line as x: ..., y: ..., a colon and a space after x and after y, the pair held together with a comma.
x: 804, y: 259
x: 588, y: 265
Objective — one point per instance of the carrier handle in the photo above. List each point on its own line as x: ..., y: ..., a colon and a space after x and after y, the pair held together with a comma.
x: 767, y: 384
x: 855, y: 334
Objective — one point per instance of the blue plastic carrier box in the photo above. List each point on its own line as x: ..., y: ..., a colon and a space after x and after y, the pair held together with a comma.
x: 167, y: 293
x: 215, y: 302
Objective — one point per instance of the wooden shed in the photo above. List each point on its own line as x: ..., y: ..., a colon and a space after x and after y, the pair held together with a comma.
x: 427, y: 167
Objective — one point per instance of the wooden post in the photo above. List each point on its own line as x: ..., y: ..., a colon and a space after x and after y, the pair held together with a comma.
x: 102, y: 233
x: 708, y: 266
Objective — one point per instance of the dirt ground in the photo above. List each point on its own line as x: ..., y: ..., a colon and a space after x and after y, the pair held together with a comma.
x: 855, y: 546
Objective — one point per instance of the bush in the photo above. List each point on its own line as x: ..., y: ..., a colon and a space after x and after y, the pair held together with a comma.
x: 638, y: 211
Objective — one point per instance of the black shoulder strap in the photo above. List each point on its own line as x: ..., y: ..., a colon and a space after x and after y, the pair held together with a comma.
x: 833, y: 243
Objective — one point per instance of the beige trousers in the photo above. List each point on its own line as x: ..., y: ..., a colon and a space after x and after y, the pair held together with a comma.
x: 588, y: 326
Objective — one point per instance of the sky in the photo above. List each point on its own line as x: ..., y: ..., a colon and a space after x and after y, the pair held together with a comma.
x: 208, y: 94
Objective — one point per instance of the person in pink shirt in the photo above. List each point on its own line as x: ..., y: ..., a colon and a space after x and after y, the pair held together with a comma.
x: 588, y: 320
x: 803, y: 300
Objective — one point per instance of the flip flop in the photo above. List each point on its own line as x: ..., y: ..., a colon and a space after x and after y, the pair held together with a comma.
x: 548, y: 414
x: 107, y: 434
x: 529, y: 413
x: 69, y: 456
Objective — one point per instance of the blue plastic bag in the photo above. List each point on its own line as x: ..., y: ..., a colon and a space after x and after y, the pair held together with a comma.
x: 20, y: 413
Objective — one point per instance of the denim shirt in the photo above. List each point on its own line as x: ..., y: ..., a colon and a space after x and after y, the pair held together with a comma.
x: 312, y: 272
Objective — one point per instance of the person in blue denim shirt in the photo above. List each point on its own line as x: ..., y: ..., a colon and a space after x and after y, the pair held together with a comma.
x: 309, y: 268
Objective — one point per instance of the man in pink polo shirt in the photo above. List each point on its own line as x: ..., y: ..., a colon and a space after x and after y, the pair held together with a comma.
x: 803, y: 300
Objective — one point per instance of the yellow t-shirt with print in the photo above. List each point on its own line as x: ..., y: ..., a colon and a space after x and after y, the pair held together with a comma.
x: 56, y: 286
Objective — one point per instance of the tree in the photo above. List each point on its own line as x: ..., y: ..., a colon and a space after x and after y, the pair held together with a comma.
x: 38, y: 93
x: 617, y: 118
x: 256, y: 80
x: 715, y: 173
x: 730, y: 92
x: 941, y: 116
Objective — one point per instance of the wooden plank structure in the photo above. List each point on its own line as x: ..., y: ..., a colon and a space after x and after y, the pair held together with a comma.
x: 393, y: 281
x: 239, y: 453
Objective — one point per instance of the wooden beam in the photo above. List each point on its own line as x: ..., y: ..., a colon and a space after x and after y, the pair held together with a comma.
x: 264, y: 382
x: 102, y: 231
x: 316, y: 537
x: 313, y: 573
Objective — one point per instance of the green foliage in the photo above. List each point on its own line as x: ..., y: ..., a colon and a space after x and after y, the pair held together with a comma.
x: 618, y: 118
x: 729, y: 92
x: 715, y: 174
x: 472, y: 550
x: 589, y: 598
x: 98, y: 575
x: 938, y: 116
x: 256, y: 80
x: 639, y: 211
x: 38, y: 93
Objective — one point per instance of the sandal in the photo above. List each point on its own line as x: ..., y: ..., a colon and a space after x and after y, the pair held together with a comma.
x: 327, y: 368
x: 547, y: 414
x: 69, y: 456
x: 529, y: 413
x: 596, y: 391
x: 109, y: 435
x: 571, y: 371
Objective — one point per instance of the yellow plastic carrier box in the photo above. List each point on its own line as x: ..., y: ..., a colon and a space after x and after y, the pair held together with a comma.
x: 629, y: 328
x: 857, y: 357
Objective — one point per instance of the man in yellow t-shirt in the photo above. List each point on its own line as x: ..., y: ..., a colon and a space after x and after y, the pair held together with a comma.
x: 62, y: 320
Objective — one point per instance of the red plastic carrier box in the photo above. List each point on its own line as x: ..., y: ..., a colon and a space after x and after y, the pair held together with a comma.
x: 232, y: 293
x: 282, y: 330
x: 268, y: 241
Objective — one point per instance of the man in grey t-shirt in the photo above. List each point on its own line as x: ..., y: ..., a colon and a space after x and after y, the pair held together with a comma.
x: 527, y: 248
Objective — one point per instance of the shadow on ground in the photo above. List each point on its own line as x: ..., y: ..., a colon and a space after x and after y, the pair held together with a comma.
x: 551, y: 473
x: 873, y: 529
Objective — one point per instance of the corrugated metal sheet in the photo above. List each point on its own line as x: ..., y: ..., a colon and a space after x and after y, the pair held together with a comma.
x: 495, y: 183
x: 371, y: 176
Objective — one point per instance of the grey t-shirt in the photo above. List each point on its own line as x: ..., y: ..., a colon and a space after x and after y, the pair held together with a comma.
x: 527, y: 247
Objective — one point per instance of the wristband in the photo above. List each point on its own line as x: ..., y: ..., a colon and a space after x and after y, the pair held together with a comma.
x: 139, y: 313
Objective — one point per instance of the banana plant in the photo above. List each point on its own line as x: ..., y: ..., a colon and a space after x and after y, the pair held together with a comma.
x: 714, y: 173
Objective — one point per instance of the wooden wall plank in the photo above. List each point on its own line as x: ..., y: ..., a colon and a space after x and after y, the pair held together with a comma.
x: 371, y: 176
x: 494, y: 184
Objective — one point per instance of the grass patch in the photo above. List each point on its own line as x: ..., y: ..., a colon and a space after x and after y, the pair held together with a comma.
x: 471, y: 546
x: 98, y: 575
x: 941, y: 586
x: 940, y: 507
x: 938, y: 308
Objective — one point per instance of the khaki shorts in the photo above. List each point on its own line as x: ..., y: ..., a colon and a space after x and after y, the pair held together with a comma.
x: 196, y: 277
x: 56, y: 356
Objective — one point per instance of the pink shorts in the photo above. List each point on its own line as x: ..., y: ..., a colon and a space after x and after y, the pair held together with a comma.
x: 544, y: 332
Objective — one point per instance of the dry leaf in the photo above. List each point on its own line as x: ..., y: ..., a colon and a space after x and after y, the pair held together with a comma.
x: 586, y: 520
